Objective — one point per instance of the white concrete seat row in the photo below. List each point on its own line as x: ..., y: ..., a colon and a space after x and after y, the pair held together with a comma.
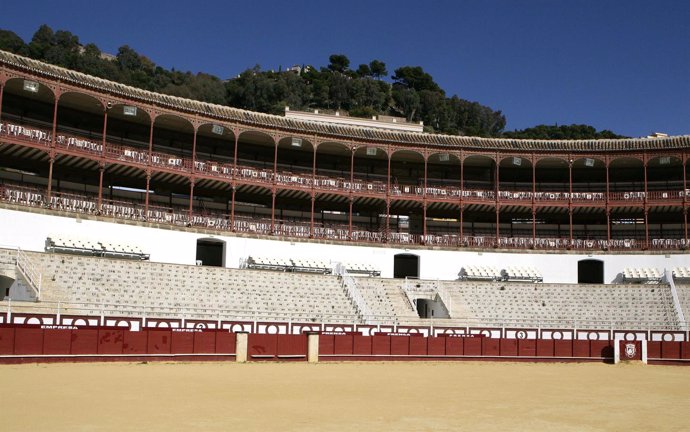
x: 169, y: 290
x: 480, y: 273
x: 681, y: 273
x: 645, y: 274
x: 306, y: 265
x: 362, y: 269
x: 85, y: 246
x: 522, y: 273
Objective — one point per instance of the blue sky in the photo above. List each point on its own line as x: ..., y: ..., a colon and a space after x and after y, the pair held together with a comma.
x: 618, y: 65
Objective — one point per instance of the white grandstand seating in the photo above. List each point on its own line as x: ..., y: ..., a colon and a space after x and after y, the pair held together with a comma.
x: 480, y: 273
x: 362, y: 269
x: 84, y: 284
x: 64, y: 244
x: 681, y: 273
x: 641, y: 275
x: 196, y: 291
x: 307, y: 265
x: 574, y: 305
x: 522, y: 273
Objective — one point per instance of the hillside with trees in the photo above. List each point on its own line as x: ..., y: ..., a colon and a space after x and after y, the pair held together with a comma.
x: 361, y: 92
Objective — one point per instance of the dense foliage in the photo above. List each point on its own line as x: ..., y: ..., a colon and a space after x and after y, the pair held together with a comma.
x: 571, y: 132
x: 361, y: 92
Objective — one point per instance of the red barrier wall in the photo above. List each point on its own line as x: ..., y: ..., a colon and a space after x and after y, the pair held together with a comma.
x: 29, y: 343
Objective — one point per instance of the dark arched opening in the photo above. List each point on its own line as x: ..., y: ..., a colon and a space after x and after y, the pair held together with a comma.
x: 5, y: 284
x: 405, y: 265
x: 590, y: 271
x: 210, y: 252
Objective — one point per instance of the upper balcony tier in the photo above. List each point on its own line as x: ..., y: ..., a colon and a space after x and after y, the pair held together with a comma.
x: 58, y: 79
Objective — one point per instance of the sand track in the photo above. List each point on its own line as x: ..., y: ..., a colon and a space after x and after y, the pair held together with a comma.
x: 448, y: 396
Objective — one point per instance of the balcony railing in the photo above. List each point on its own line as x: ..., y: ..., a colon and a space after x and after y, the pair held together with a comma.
x: 181, y: 217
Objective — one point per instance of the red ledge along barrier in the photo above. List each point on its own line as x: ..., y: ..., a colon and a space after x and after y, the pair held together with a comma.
x: 668, y: 352
x: 352, y: 346
x: 64, y: 343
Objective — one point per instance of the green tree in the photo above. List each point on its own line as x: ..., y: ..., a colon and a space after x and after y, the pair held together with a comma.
x: 378, y: 69
x: 338, y: 63
x: 9, y: 41
x: 414, y: 77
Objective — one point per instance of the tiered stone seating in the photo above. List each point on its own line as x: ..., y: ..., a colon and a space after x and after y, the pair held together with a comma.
x: 683, y: 291
x: 203, y: 292
x: 577, y: 305
x: 387, y: 301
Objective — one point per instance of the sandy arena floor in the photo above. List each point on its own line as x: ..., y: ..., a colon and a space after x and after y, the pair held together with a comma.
x: 464, y: 396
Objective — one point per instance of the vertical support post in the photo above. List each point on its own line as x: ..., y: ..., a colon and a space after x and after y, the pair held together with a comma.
x: 50, y: 176
x: 645, y: 206
x: 2, y: 89
x: 146, y: 197
x: 273, y: 211
x: 685, y: 200
x: 241, y: 344
x: 105, y: 131
x: 388, y: 197
x: 311, y: 216
x: 232, y: 210
x: 608, y: 197
x: 534, y: 202
x: 498, y: 208
x: 349, y: 219
x: 153, y: 121
x: 191, y: 199
x: 426, y: 175
x: 101, y: 169
x: 234, y: 159
x: 312, y: 347
x: 570, y: 202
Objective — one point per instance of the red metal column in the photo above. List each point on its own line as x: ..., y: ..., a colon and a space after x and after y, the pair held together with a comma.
x: 685, y: 200
x: 273, y: 210
x: 534, y: 204
x: 426, y: 176
x: 50, y: 177
x: 105, y: 131
x: 52, y: 147
x: 146, y: 198
x: 153, y: 121
x: 352, y: 185
x: 570, y: 202
x: 232, y: 210
x: 498, y: 209
x: 193, y: 177
x: 101, y: 168
x: 608, y: 210
x: 311, y: 215
x: 2, y: 89
x: 313, y: 192
x: 101, y: 165
x: 388, y: 197
x: 234, y: 160
x: 462, y: 191
x: 349, y: 220
x: 645, y: 207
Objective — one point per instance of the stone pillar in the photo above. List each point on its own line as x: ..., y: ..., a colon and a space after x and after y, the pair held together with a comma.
x: 241, y: 344
x: 313, y: 347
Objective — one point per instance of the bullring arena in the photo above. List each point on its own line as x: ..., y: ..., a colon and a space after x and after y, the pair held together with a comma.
x: 356, y: 266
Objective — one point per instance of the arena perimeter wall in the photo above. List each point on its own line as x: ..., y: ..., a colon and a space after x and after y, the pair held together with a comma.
x: 40, y: 343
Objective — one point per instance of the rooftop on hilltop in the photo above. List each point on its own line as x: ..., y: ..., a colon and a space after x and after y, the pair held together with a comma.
x: 343, y: 118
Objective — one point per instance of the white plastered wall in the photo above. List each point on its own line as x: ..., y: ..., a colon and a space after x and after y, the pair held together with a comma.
x: 29, y: 231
